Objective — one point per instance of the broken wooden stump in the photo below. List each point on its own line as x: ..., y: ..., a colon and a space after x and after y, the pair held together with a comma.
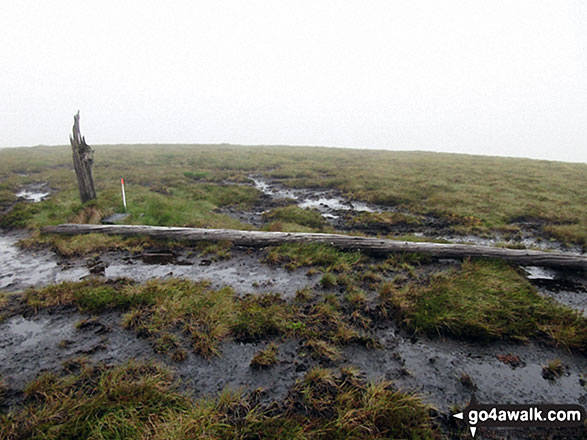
x: 83, y: 159
x: 369, y: 244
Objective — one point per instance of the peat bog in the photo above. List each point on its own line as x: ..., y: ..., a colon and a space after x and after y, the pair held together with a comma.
x: 153, y: 339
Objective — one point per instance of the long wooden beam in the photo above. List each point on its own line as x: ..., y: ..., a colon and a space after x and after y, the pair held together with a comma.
x: 370, y: 244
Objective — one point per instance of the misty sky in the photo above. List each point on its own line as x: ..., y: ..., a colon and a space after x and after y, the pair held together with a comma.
x: 480, y: 77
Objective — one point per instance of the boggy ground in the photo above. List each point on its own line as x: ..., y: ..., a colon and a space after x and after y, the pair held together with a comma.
x: 285, y: 208
x: 333, y: 309
x: 444, y: 329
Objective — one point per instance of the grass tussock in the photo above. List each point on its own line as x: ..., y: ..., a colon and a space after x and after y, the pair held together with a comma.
x: 356, y: 410
x: 139, y: 400
x: 323, y: 350
x: 383, y: 221
x: 266, y: 358
x: 553, y: 370
x: 260, y: 316
x: 296, y: 215
x: 86, y: 244
x: 486, y: 300
x: 218, y: 250
x: 90, y: 295
x: 325, y: 327
x: 203, y: 314
x: 325, y: 257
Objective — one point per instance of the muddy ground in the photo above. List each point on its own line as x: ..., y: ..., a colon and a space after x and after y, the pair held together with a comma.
x: 437, y: 369
x: 32, y: 343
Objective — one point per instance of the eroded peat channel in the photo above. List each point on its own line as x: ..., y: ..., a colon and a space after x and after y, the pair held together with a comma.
x: 272, y: 322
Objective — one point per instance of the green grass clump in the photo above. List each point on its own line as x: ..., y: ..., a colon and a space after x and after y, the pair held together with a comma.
x: 294, y: 214
x: 345, y: 407
x: 265, y: 358
x: 19, y: 216
x: 7, y: 197
x: 383, y: 220
x: 487, y: 300
x: 90, y: 295
x: 323, y: 256
x: 260, y: 316
x: 195, y: 176
x: 328, y: 281
x: 218, y: 250
x: 203, y: 314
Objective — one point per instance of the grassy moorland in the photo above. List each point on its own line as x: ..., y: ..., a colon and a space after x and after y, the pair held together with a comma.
x: 355, y: 295
x: 184, y: 185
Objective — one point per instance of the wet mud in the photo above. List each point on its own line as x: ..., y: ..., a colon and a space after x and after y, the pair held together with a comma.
x: 20, y: 269
x: 244, y: 271
x: 437, y: 369
x: 434, y: 368
x: 565, y: 287
x: 44, y: 342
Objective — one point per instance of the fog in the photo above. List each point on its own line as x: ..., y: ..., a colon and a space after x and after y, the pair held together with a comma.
x: 495, y: 78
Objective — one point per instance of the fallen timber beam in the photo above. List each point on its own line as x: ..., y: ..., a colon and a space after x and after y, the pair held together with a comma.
x: 369, y: 244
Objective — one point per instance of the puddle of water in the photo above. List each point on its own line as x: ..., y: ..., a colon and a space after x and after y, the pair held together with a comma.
x: 244, y: 273
x: 566, y: 288
x: 536, y: 272
x: 27, y: 329
x: 272, y: 190
x: 496, y: 381
x: 320, y: 200
x: 32, y: 195
x: 20, y: 269
x: 335, y: 204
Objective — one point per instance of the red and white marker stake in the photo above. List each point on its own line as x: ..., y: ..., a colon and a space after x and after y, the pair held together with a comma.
x: 123, y: 195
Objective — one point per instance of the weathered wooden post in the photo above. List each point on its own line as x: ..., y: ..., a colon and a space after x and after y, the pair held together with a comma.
x: 83, y: 159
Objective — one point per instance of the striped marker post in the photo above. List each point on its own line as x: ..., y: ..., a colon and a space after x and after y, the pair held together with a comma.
x: 123, y: 194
